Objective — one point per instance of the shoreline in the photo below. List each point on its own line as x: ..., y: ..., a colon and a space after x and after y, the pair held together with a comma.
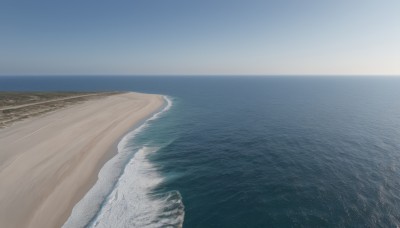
x: 60, y: 180
x: 87, y: 210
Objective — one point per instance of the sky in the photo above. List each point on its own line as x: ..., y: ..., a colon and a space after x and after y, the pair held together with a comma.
x: 200, y: 37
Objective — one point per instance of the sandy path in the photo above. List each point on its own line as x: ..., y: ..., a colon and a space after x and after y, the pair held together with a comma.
x: 45, y: 102
x: 48, y: 163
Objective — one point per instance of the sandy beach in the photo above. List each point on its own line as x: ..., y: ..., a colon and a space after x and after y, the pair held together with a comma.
x: 48, y: 163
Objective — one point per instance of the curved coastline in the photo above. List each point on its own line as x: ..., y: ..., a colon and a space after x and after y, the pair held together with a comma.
x: 57, y: 157
x: 86, y: 211
x: 131, y: 200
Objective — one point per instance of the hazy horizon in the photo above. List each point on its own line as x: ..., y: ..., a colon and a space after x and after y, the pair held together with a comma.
x: 258, y: 38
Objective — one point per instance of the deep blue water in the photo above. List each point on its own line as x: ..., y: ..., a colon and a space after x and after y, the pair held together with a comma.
x: 269, y: 151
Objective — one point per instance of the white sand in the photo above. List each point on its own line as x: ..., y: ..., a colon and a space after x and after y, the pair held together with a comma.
x: 48, y: 163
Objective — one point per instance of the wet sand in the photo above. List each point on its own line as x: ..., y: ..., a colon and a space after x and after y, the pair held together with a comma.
x: 48, y: 163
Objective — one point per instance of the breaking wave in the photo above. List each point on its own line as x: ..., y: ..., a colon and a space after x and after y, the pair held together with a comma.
x: 123, y: 194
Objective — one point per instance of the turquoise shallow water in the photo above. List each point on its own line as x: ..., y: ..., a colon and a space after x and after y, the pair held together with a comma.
x: 261, y: 152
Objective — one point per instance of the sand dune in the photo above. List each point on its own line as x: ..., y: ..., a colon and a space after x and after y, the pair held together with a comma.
x: 48, y: 163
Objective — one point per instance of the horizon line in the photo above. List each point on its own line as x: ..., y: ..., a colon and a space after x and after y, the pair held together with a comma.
x: 200, y: 75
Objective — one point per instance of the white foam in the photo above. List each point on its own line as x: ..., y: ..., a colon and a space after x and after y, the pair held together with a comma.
x: 131, y: 203
x: 166, y: 108
x: 110, y: 189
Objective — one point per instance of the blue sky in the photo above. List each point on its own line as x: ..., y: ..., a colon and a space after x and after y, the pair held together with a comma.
x: 132, y: 37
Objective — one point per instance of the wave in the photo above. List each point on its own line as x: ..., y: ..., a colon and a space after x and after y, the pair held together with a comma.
x: 122, y: 196
x: 131, y: 203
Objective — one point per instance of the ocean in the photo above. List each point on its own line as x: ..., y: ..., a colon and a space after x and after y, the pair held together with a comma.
x: 230, y: 152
